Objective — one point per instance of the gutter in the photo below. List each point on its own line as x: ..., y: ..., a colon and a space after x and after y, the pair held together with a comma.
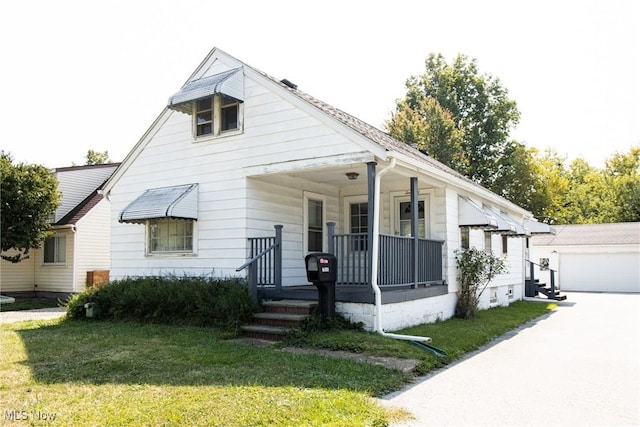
x: 375, y: 250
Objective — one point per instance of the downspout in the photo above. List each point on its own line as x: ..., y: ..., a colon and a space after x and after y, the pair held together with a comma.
x: 75, y: 259
x: 375, y: 249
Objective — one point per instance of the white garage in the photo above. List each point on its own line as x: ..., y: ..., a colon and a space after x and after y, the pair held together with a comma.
x: 593, y: 257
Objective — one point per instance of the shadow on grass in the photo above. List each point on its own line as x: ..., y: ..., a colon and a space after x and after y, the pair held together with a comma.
x: 133, y: 353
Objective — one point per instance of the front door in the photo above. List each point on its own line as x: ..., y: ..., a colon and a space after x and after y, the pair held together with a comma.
x: 402, y: 226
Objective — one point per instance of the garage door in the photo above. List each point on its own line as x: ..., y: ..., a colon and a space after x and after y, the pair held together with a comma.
x: 618, y: 272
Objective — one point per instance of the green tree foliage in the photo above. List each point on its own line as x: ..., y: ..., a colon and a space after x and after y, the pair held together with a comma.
x: 432, y: 129
x: 583, y: 194
x: 97, y: 158
x: 623, y: 176
x: 29, y: 196
x: 480, y: 107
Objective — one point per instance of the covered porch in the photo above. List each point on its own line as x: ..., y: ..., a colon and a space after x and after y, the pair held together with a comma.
x: 408, y: 266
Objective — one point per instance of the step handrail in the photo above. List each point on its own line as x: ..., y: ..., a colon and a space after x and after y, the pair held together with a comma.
x: 252, y: 264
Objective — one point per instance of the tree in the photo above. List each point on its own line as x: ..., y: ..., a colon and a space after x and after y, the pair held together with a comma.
x: 623, y: 176
x: 28, y: 197
x: 480, y: 107
x: 432, y: 129
x: 548, y: 200
x: 97, y: 158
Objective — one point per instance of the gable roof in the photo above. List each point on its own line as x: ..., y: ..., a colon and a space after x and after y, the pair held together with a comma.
x: 622, y: 233
x: 377, y: 137
x: 90, y: 201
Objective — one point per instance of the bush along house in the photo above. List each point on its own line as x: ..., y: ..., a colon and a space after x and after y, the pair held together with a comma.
x: 245, y: 174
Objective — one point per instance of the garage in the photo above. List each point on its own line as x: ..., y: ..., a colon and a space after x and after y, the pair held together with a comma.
x: 593, y: 257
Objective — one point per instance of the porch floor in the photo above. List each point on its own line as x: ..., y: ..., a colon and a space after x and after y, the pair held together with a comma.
x: 357, y: 293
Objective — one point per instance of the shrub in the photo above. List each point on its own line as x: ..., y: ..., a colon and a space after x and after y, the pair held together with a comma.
x: 477, y: 269
x: 167, y: 299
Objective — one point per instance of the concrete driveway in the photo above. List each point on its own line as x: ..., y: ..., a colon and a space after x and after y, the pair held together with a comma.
x: 579, y: 366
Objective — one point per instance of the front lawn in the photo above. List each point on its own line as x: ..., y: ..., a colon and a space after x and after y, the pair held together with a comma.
x: 124, y: 373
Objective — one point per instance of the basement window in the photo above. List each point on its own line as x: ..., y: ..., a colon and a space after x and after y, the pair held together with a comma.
x: 493, y: 295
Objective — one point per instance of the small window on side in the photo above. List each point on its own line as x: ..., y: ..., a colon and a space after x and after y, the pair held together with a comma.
x: 464, y: 238
x: 505, y: 245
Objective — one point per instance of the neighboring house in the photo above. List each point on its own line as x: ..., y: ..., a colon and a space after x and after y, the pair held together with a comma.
x: 80, y: 243
x: 592, y: 257
x: 236, y: 154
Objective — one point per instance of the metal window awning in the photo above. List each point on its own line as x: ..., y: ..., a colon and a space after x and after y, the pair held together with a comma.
x: 536, y: 227
x: 472, y: 215
x: 230, y: 83
x: 509, y: 225
x: 179, y: 202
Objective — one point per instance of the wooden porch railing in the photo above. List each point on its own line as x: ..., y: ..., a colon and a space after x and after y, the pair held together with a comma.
x: 265, y: 263
x: 399, y: 264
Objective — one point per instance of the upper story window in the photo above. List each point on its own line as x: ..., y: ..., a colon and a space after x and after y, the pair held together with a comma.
x: 215, y: 103
x: 216, y: 115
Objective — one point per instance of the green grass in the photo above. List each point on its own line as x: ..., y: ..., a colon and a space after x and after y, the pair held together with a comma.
x: 455, y: 336
x: 30, y: 304
x: 121, y: 373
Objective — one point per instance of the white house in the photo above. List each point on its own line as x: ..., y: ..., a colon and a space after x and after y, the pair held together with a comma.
x: 241, y: 164
x: 80, y: 243
x: 593, y: 257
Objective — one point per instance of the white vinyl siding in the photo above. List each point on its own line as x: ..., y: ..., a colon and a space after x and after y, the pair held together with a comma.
x: 93, y: 240
x: 56, y: 277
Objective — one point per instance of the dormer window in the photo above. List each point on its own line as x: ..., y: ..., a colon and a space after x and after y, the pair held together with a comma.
x: 215, y: 103
x: 215, y: 115
x: 204, y: 116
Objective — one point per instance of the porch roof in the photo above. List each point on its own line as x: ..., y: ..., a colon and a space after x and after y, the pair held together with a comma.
x: 179, y: 202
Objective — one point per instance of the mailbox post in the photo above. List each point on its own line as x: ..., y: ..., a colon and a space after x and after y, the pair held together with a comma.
x: 321, y: 271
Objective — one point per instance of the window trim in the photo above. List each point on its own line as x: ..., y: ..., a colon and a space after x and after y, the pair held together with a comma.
x: 56, y: 261
x: 465, y: 232
x: 488, y: 244
x: 172, y: 253
x: 216, y: 117
x: 306, y: 197
x: 398, y: 197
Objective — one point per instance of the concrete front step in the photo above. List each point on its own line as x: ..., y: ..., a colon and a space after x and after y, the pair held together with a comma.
x: 265, y: 332
x: 278, y: 318
x: 290, y: 306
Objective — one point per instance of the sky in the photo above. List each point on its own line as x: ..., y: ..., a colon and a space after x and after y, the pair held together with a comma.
x: 80, y: 75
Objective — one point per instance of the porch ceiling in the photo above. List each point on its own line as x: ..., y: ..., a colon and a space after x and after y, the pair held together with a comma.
x: 336, y: 176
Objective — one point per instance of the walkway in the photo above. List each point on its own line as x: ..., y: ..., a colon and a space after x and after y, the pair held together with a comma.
x: 37, y: 314
x: 580, y: 366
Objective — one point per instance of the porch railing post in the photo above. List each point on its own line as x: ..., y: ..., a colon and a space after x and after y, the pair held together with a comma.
x: 277, y: 259
x: 371, y: 188
x: 331, y: 232
x: 414, y: 227
x: 252, y: 281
